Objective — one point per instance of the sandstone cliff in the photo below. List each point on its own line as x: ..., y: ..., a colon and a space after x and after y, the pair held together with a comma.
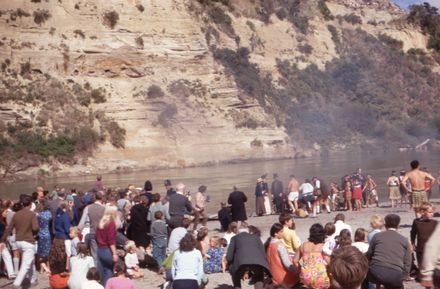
x: 154, y: 63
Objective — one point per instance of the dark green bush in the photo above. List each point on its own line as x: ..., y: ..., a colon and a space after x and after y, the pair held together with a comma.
x: 391, y: 42
x: 323, y: 8
x: 110, y: 19
x: 305, y: 49
x: 335, y: 34
x: 352, y: 18
x: 166, y: 116
x: 80, y: 33
x: 98, y: 95
x: 428, y: 18
x: 154, y: 91
x: 139, y: 42
x: 300, y: 22
x: 117, y: 134
x: 247, y: 75
x: 223, y: 20
x: 40, y: 16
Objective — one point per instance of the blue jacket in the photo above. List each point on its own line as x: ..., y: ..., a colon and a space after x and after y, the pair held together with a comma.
x: 62, y: 225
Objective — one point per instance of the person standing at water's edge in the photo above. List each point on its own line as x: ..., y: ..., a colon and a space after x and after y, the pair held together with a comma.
x: 416, y: 178
x: 237, y: 199
x: 266, y: 198
x: 259, y: 198
x: 199, y: 208
x: 277, y: 193
x: 179, y: 205
x: 393, y: 184
x: 293, y: 193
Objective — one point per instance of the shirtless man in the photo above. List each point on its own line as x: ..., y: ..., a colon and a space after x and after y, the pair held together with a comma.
x: 292, y: 197
x: 416, y: 178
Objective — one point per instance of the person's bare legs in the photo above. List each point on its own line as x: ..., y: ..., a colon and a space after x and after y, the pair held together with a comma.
x: 349, y: 206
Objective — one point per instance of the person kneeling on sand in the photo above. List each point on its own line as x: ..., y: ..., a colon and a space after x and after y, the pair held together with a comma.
x: 247, y: 259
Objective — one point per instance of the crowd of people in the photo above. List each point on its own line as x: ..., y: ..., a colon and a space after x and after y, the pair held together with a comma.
x: 355, y: 191
x: 104, y: 238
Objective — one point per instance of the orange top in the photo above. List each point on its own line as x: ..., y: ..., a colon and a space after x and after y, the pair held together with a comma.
x: 280, y: 274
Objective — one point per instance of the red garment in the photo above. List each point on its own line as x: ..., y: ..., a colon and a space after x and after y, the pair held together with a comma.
x: 428, y: 184
x: 107, y: 236
x: 357, y: 192
x: 57, y: 281
x: 280, y: 275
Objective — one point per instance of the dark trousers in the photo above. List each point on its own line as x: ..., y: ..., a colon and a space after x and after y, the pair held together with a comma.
x: 175, y: 222
x: 90, y: 240
x: 389, y: 278
x: 105, y: 260
x: 185, y: 284
x: 255, y: 272
x: 436, y: 278
x: 278, y: 204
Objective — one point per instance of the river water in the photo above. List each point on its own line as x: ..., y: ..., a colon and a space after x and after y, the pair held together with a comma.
x: 220, y: 179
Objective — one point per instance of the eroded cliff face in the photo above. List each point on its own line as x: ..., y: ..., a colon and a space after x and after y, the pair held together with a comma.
x: 178, y: 105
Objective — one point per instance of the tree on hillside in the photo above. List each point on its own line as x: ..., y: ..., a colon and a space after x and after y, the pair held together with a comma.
x: 429, y: 20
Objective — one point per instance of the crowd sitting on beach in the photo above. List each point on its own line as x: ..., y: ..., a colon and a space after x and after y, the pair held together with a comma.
x: 105, y: 237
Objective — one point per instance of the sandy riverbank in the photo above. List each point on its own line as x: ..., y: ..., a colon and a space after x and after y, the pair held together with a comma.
x: 223, y: 281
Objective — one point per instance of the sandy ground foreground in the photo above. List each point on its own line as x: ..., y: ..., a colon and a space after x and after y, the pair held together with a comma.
x: 223, y: 280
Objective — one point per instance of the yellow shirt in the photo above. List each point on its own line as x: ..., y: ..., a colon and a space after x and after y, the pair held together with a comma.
x: 290, y: 240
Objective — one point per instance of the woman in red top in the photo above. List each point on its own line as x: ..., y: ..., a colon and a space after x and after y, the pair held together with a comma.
x: 106, y: 239
x: 284, y: 273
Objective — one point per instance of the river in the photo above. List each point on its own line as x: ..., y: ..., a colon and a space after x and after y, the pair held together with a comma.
x: 220, y: 179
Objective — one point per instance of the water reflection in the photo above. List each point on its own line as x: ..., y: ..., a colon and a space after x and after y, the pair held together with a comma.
x: 221, y: 178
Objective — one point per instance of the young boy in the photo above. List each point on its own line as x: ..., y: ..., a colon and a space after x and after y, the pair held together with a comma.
x: 347, y: 269
x: 159, y: 233
x: 422, y: 229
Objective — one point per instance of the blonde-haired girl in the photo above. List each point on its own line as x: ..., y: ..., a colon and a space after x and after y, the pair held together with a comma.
x: 106, y: 239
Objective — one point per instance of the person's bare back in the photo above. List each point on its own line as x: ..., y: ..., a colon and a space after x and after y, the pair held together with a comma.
x: 416, y: 178
x: 293, y: 185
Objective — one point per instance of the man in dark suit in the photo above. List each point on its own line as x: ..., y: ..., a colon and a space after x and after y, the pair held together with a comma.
x: 277, y: 191
x: 238, y: 210
x: 178, y: 207
x: 246, y: 258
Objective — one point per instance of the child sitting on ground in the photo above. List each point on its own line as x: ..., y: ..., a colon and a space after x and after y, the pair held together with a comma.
x: 213, y: 258
x: 224, y: 244
x: 231, y: 232
x: 361, y: 240
x: 119, y: 281
x: 202, y: 241
x: 93, y: 278
x: 131, y: 261
x: 330, y: 241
